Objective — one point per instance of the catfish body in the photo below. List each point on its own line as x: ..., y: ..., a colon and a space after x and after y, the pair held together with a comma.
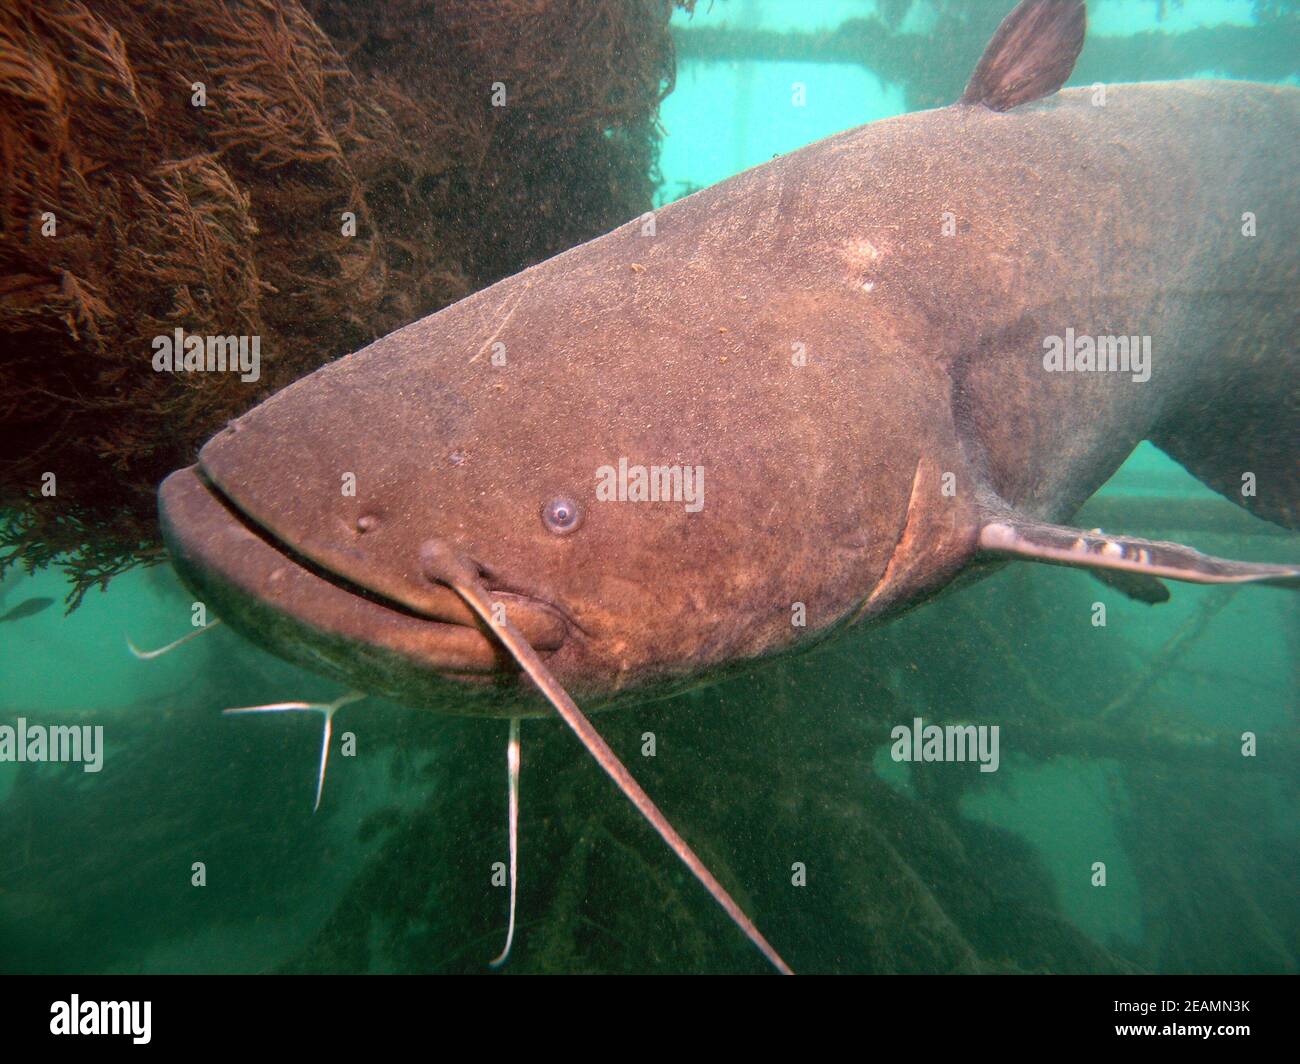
x: 882, y: 353
x: 849, y: 340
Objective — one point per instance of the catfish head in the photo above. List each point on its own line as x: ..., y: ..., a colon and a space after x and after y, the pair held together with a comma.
x: 694, y: 442
x: 629, y: 467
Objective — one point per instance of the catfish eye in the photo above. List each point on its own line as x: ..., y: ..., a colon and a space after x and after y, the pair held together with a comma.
x: 561, y: 515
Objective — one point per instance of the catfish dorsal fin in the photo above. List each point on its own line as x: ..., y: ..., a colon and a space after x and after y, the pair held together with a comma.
x: 1030, y: 56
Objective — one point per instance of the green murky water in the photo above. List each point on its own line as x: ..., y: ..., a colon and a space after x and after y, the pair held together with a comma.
x: 1121, y: 745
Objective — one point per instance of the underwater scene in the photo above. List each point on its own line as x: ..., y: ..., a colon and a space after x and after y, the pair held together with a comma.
x: 816, y: 489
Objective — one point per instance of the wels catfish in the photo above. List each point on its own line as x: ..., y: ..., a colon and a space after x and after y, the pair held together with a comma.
x: 830, y: 386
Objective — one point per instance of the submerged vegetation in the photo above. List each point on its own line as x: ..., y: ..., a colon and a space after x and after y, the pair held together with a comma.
x: 189, y: 164
x: 906, y: 868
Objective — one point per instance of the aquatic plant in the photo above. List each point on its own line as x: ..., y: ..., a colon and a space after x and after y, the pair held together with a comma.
x: 187, y: 164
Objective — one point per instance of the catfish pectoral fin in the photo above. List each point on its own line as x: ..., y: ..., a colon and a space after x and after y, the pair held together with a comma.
x: 1014, y: 537
x: 1137, y: 586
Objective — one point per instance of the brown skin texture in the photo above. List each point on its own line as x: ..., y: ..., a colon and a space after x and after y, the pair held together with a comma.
x: 822, y: 482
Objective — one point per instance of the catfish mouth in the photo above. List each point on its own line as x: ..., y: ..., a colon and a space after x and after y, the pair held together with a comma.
x: 406, y: 646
